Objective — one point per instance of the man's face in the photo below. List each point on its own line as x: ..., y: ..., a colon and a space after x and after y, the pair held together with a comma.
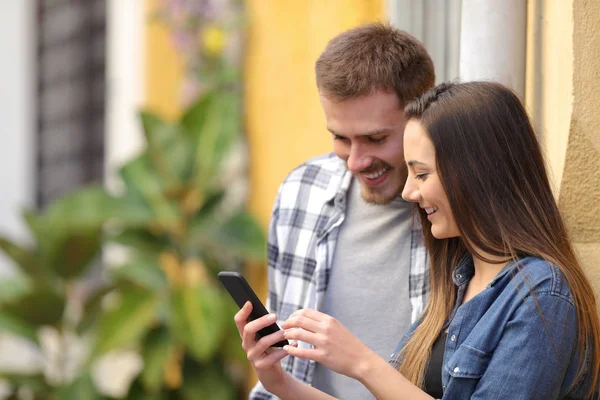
x: 368, y: 135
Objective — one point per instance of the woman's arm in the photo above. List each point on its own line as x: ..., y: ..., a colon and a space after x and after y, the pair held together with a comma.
x: 338, y: 349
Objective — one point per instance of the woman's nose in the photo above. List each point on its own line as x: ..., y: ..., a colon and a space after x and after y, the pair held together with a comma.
x: 410, y: 191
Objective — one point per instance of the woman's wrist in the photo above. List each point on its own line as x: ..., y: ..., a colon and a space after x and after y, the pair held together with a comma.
x: 367, y: 366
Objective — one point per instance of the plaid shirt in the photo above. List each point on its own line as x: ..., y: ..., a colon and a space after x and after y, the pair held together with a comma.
x: 303, y: 231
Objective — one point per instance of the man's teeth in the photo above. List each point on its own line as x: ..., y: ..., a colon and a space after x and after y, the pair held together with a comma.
x: 431, y: 210
x: 376, y: 174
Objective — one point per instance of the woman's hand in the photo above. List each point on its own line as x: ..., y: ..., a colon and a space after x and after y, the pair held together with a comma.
x: 335, y: 347
x: 264, y: 359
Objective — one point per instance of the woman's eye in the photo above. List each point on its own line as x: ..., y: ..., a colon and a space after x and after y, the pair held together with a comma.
x: 421, y: 176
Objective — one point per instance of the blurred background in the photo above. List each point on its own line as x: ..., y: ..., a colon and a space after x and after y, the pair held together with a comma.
x: 142, y: 143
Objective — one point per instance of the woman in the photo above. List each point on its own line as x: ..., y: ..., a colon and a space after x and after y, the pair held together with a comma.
x: 511, y: 314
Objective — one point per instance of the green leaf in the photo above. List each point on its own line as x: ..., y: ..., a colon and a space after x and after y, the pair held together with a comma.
x: 209, y: 383
x: 84, y: 209
x: 144, y: 184
x: 82, y: 388
x: 75, y: 253
x: 137, y: 392
x: 33, y: 221
x: 12, y: 323
x: 169, y: 149
x: 35, y: 382
x: 14, y: 288
x: 143, y: 271
x: 240, y: 235
x: 157, y: 347
x: 26, y: 260
x: 197, y: 319
x: 41, y: 306
x: 126, y: 323
x: 141, y: 240
x: 213, y: 123
x: 92, y: 310
x: 72, y: 228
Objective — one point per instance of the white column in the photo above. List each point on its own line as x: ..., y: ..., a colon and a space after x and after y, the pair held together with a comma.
x: 17, y: 118
x: 436, y: 23
x: 125, y: 84
x: 492, y: 44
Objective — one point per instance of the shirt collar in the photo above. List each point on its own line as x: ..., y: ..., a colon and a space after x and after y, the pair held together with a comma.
x: 465, y: 270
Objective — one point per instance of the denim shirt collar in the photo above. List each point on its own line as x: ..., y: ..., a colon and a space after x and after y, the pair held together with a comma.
x: 465, y: 270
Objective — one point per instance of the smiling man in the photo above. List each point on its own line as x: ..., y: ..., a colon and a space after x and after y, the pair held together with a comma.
x: 341, y: 238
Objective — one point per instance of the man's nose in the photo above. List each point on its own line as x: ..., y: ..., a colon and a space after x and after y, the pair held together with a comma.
x: 358, y: 160
x: 410, y: 191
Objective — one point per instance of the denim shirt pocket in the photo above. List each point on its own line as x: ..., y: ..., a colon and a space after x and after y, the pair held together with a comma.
x: 467, y: 363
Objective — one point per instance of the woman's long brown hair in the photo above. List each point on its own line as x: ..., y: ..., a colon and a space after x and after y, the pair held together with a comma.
x: 491, y: 167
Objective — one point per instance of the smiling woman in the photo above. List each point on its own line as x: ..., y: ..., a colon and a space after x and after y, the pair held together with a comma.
x: 506, y: 285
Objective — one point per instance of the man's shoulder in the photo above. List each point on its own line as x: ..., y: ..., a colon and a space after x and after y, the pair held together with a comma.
x: 320, y: 169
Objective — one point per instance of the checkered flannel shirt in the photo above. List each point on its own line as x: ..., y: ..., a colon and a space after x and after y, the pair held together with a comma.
x: 308, y: 211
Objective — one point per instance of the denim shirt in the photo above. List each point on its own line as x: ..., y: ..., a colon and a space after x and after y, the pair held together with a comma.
x: 499, y: 347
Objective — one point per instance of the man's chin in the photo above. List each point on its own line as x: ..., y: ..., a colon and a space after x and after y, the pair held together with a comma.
x: 376, y: 197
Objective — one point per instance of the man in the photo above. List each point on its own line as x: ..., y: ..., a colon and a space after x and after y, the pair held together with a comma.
x: 341, y: 239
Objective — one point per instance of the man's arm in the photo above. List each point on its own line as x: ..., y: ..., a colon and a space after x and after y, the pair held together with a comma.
x: 273, y: 295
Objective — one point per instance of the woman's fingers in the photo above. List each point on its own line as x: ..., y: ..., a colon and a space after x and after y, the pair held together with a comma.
x: 312, y: 314
x: 251, y: 328
x: 303, y: 335
x: 264, y: 344
x: 273, y: 356
x: 307, y: 354
x: 301, y: 321
x: 241, y: 317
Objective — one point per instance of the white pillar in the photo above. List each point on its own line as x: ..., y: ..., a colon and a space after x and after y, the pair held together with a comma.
x: 436, y: 23
x: 125, y: 84
x: 492, y: 44
x: 17, y: 118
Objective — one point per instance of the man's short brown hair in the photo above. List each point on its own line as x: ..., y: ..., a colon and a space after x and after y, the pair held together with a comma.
x: 374, y: 57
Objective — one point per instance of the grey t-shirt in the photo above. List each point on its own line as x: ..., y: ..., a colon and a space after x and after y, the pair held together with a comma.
x: 368, y: 283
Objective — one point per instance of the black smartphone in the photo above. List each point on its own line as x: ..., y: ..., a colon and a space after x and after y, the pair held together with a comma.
x: 240, y: 290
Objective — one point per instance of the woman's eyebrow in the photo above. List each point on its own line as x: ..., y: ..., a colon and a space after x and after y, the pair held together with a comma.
x: 412, y: 163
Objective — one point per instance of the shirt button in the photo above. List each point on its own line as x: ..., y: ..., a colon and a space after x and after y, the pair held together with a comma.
x: 456, y: 369
x: 458, y: 276
x: 443, y: 387
x: 453, y: 338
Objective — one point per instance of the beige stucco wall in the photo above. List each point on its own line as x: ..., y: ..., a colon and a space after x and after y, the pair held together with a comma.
x: 563, y: 99
x: 579, y: 196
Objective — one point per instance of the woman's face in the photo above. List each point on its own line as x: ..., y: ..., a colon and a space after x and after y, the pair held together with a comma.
x: 423, y: 184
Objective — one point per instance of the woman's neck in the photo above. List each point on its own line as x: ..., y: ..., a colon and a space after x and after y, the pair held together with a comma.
x: 485, y: 271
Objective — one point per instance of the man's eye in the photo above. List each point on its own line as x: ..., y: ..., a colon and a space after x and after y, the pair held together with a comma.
x: 338, y: 137
x: 377, y: 140
x: 421, y: 176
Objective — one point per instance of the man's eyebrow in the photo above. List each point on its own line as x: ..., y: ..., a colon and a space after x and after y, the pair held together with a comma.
x: 369, y: 133
x: 412, y: 163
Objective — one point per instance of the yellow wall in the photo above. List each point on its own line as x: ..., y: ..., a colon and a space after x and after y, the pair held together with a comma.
x: 164, y: 67
x: 549, y: 78
x: 563, y: 97
x: 580, y: 189
x: 285, y: 123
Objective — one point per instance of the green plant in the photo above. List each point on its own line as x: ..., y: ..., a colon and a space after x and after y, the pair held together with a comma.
x: 49, y: 285
x: 179, y: 224
x: 177, y: 218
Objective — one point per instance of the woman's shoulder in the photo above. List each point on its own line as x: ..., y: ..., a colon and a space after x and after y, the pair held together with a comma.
x: 541, y: 277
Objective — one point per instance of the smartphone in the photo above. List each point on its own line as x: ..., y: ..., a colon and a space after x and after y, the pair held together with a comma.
x: 240, y: 290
